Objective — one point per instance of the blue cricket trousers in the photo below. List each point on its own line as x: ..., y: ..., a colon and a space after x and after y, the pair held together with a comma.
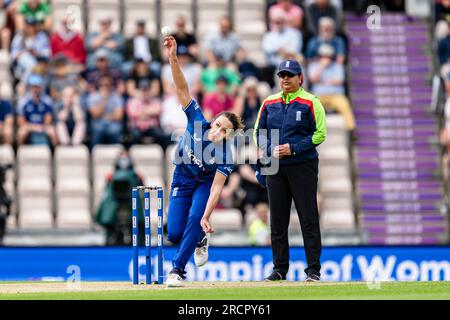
x: 188, y: 198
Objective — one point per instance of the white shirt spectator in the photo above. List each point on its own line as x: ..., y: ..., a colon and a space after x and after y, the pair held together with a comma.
x: 141, y: 48
x: 287, y: 39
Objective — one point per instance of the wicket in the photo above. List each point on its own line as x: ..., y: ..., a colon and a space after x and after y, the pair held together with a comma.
x: 147, y: 226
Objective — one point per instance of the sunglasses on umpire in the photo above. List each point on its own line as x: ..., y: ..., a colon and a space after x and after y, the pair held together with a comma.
x: 283, y: 75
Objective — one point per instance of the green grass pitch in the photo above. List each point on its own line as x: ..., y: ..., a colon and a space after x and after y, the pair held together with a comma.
x: 226, y: 291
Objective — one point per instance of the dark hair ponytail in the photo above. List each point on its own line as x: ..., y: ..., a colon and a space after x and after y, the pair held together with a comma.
x: 235, y: 120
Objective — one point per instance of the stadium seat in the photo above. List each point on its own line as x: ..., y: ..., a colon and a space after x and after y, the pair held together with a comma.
x: 103, y: 158
x: 35, y: 187
x: 140, y: 9
x: 208, y: 14
x: 72, y: 187
x: 149, y: 163
x: 337, y: 219
x: 227, y: 219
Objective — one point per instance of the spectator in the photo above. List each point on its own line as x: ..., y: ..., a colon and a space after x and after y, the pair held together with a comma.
x: 71, y: 125
x: 35, y: 120
x: 219, y: 101
x: 327, y: 82
x: 103, y: 68
x: 442, y: 10
x: 319, y: 9
x: 62, y: 76
x: 105, y: 40
x: 191, y: 71
x: 219, y: 68
x: 248, y: 102
x: 141, y: 46
x: 259, y: 230
x: 27, y: 46
x: 37, y: 9
x: 184, y: 38
x: 42, y: 69
x: 225, y: 42
x: 142, y: 73
x: 8, y: 29
x: 144, y: 113
x: 69, y: 43
x: 6, y: 122
x: 280, y: 40
x: 106, y: 111
x: 444, y: 53
x: 327, y: 35
x: 293, y: 12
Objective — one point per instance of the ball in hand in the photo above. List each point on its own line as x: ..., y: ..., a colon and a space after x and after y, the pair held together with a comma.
x: 166, y: 31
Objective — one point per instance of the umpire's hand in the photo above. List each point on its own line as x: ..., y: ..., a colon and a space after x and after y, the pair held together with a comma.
x: 282, y: 151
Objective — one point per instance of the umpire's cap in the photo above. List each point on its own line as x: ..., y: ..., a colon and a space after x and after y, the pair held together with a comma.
x: 291, y: 66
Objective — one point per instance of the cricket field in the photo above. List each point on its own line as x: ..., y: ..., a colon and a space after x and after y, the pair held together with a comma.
x: 226, y: 291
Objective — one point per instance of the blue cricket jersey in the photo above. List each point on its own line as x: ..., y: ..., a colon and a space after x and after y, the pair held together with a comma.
x: 196, y: 157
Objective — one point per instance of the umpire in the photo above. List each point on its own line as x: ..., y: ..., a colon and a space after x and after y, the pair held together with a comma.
x: 300, y: 118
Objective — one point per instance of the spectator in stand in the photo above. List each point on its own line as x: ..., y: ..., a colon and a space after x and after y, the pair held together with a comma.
x: 9, y: 28
x: 6, y: 122
x: 184, y: 38
x: 217, y: 102
x: 27, y: 46
x: 141, y: 46
x: 224, y: 42
x: 35, y: 119
x: 293, y: 12
x: 105, y: 40
x: 219, y: 68
x: 442, y: 10
x: 103, y: 68
x: 191, y: 71
x: 42, y: 69
x: 319, y: 9
x: 37, y: 9
x: 71, y: 125
x: 142, y: 73
x: 259, y: 230
x: 106, y: 108
x: 248, y: 102
x: 62, y: 76
x: 327, y: 79
x: 444, y: 53
x: 69, y: 43
x: 327, y: 35
x: 144, y: 113
x: 280, y: 40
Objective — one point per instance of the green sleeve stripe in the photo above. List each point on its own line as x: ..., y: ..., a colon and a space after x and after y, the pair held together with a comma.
x: 321, y: 126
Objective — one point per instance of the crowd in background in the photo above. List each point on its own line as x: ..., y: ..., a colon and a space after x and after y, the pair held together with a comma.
x: 102, y: 88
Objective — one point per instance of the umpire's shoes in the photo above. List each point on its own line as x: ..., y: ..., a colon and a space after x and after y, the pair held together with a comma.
x: 175, y: 279
x: 275, y: 276
x: 312, y: 277
x: 201, y: 252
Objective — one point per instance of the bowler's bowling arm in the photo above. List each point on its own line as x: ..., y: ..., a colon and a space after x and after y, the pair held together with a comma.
x: 181, y: 86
